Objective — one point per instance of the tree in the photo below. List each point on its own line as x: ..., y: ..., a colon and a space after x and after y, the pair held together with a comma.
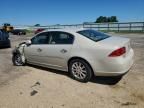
x: 103, y: 19
x: 37, y: 25
x: 109, y: 19
x: 99, y: 19
x: 113, y: 19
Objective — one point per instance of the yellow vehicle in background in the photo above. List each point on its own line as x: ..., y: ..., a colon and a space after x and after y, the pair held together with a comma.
x: 7, y: 27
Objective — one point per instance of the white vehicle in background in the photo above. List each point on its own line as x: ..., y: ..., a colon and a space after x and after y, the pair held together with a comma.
x: 83, y: 53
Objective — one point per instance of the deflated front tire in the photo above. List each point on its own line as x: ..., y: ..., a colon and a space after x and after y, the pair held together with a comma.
x: 17, y: 60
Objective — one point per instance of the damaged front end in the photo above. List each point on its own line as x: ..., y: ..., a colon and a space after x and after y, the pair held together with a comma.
x: 18, y: 58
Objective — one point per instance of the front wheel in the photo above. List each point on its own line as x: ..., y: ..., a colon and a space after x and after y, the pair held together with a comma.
x: 17, y: 60
x: 80, y: 70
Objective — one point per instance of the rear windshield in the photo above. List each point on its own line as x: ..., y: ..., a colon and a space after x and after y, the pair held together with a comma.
x: 93, y: 35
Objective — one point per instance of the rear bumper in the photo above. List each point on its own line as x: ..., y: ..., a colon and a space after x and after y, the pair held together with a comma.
x: 116, y: 67
x: 113, y: 73
x: 5, y: 43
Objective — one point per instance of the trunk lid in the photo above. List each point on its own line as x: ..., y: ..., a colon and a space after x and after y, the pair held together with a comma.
x: 117, y: 42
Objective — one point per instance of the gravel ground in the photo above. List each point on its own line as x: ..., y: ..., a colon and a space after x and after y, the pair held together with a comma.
x: 36, y: 87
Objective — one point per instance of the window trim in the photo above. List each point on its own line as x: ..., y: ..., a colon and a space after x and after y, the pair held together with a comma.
x: 50, y: 34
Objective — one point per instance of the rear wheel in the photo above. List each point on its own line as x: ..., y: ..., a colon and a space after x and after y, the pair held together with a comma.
x: 80, y: 70
x: 17, y: 60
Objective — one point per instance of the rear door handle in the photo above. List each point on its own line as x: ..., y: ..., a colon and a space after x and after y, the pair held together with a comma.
x: 63, y: 51
x: 39, y: 50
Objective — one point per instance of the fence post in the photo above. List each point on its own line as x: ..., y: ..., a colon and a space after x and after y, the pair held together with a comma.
x: 118, y: 27
x: 98, y: 27
x: 108, y: 27
x: 83, y: 25
x: 143, y: 27
x: 130, y: 26
x: 90, y: 26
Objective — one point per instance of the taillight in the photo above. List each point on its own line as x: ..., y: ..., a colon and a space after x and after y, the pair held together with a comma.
x: 118, y: 52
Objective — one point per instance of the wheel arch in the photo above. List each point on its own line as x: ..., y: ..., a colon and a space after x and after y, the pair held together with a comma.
x: 76, y: 57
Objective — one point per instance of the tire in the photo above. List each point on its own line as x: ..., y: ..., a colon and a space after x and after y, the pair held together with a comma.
x: 17, y: 60
x: 80, y: 70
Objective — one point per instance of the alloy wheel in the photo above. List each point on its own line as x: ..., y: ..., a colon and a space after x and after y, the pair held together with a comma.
x: 79, y: 70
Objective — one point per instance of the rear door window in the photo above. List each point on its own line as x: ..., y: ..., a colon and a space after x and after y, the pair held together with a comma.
x: 61, y: 38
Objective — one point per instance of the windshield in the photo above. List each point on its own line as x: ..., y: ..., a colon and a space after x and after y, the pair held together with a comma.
x: 93, y: 35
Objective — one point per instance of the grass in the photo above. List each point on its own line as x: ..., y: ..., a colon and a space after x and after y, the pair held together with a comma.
x: 29, y: 31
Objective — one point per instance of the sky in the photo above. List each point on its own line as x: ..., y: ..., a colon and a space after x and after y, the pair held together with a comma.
x: 50, y: 12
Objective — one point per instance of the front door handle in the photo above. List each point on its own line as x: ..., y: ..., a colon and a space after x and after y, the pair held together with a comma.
x: 39, y: 50
x: 63, y: 51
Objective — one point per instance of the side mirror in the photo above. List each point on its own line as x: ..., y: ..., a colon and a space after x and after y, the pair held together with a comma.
x: 28, y: 42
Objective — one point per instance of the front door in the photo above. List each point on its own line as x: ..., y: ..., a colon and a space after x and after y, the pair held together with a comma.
x: 35, y: 52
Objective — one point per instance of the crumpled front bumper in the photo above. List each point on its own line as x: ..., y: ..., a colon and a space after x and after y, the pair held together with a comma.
x: 19, y: 50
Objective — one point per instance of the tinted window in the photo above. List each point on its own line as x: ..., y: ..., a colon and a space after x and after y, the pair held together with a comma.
x: 61, y: 38
x: 42, y: 38
x: 93, y: 35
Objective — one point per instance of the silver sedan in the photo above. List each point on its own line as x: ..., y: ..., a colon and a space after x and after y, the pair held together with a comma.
x: 83, y: 53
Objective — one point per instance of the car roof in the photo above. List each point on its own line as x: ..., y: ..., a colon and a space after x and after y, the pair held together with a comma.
x: 70, y: 30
